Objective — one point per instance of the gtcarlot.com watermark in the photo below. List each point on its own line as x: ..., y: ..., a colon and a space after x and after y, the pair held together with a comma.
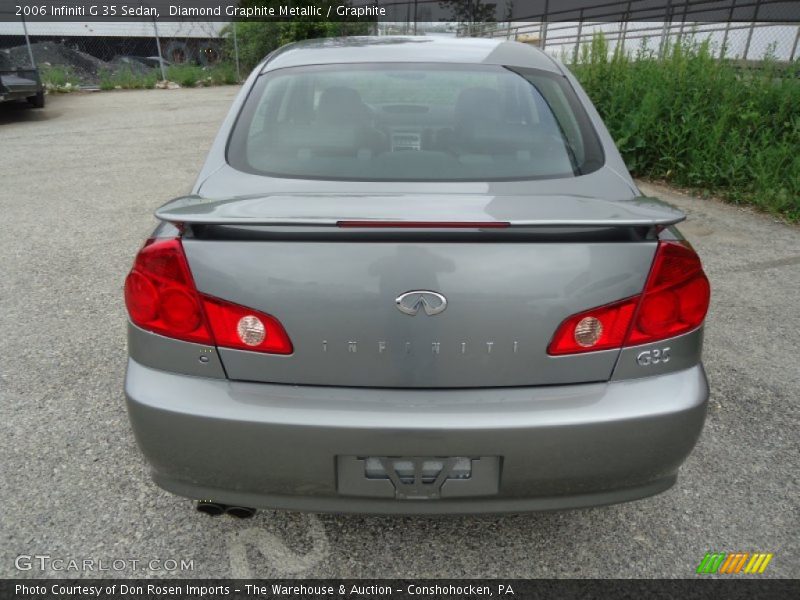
x: 57, y: 564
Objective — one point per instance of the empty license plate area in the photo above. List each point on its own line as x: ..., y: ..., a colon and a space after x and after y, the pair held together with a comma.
x: 418, y: 477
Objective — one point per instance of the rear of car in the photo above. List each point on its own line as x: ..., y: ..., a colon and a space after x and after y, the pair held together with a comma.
x: 415, y: 284
x: 20, y: 83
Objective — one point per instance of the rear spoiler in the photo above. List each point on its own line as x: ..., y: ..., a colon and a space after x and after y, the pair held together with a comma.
x: 419, y: 211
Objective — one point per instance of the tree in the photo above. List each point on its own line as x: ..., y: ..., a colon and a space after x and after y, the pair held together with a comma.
x: 256, y: 38
x: 470, y: 12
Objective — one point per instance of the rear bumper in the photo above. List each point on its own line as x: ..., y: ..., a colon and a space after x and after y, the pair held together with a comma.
x: 14, y: 86
x: 276, y: 446
x: 11, y: 95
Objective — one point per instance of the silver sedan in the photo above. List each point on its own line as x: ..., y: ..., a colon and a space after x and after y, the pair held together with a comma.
x: 415, y: 276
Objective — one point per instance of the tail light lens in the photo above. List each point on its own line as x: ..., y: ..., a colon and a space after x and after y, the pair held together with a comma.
x: 160, y: 294
x: 242, y: 328
x: 676, y: 296
x: 674, y: 301
x: 161, y: 297
x: 611, y: 322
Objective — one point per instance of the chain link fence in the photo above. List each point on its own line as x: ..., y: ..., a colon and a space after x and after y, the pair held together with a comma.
x: 119, y: 54
x: 628, y: 29
x: 138, y: 54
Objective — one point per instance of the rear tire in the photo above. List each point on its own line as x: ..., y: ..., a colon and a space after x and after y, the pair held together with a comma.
x: 178, y: 53
x: 37, y: 101
x: 208, y: 54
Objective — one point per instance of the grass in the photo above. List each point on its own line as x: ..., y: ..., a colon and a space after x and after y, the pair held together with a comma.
x: 696, y: 121
x: 183, y: 75
x: 191, y: 75
x: 126, y: 79
x: 59, y: 78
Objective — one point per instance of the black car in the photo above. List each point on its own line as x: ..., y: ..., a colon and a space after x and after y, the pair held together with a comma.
x: 20, y: 83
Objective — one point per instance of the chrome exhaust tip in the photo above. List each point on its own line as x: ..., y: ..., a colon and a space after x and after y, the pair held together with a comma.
x: 240, y: 512
x: 212, y: 509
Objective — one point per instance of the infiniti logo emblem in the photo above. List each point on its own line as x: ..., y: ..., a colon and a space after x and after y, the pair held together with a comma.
x: 431, y: 302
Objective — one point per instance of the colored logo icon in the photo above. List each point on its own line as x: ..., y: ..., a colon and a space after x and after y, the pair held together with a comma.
x: 731, y: 563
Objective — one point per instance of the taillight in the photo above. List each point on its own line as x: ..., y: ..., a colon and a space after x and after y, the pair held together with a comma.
x: 242, y: 328
x: 674, y: 301
x: 160, y: 293
x: 161, y: 297
x: 676, y: 296
x: 596, y: 329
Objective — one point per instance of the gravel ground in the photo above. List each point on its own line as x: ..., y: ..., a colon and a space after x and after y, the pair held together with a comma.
x: 80, y: 181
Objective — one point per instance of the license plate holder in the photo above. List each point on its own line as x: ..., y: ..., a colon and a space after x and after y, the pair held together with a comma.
x: 418, y: 477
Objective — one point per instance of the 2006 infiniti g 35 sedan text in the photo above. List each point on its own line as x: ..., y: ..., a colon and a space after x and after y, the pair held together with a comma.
x: 415, y: 276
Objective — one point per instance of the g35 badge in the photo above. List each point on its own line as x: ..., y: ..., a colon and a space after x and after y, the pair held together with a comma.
x: 653, y: 357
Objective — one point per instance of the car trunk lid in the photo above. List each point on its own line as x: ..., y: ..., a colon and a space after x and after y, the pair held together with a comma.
x: 341, y: 298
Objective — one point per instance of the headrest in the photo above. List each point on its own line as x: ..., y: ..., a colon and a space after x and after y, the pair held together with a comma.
x: 477, y: 104
x: 339, y: 103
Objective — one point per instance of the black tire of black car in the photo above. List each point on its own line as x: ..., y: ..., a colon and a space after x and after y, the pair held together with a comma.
x: 37, y: 101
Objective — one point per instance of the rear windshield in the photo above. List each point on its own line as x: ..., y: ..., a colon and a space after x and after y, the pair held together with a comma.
x: 412, y: 122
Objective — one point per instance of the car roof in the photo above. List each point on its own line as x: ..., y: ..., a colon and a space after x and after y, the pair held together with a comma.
x: 409, y: 49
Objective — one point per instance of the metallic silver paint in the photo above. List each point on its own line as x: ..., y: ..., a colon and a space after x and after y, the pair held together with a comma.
x: 409, y: 49
x: 326, y: 210
x: 452, y: 506
x: 684, y: 351
x: 344, y: 293
x: 159, y: 352
x: 619, y: 438
x: 255, y: 444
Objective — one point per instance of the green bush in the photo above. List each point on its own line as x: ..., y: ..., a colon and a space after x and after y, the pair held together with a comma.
x: 126, y: 79
x: 191, y: 75
x: 184, y: 75
x: 717, y: 126
x: 59, y: 78
x: 256, y: 39
x: 224, y: 74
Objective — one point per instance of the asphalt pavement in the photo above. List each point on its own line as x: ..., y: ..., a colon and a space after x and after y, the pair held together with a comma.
x: 78, y: 185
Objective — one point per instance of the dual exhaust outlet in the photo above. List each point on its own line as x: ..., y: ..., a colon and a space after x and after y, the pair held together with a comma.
x: 215, y: 509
